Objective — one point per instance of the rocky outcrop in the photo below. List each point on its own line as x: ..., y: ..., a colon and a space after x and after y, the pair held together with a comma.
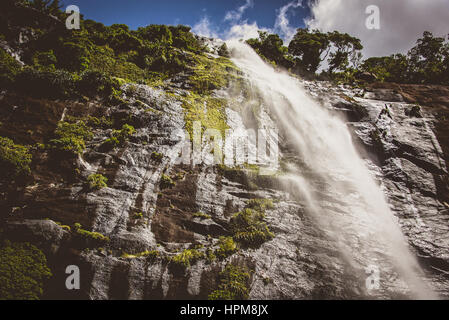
x: 147, y: 224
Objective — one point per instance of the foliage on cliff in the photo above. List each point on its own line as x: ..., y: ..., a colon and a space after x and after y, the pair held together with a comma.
x: 23, y: 271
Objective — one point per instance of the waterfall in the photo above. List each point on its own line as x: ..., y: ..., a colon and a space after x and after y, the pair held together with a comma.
x: 340, y: 193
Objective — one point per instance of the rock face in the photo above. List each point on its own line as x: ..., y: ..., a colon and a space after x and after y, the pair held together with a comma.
x: 138, y: 214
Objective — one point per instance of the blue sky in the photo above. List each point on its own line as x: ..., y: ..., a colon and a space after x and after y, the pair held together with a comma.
x: 136, y: 13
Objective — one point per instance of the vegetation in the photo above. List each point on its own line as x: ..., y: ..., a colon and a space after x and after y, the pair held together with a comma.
x: 15, y: 160
x: 153, y: 254
x: 201, y: 215
x: 72, y: 137
x: 157, y: 157
x: 119, y: 137
x: 97, y: 181
x: 234, y: 284
x: 23, y: 271
x: 226, y: 247
x: 166, y: 182
x: 248, y: 226
x: 188, y: 257
x: 89, y: 235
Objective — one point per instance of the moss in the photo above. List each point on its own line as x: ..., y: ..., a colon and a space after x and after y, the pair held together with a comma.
x: 226, y: 247
x: 211, y: 74
x: 260, y: 204
x: 209, y: 111
x: 188, y: 257
x: 119, y: 137
x: 23, y: 271
x: 72, y: 137
x: 151, y: 255
x: 157, y: 157
x: 15, y: 159
x: 166, y: 182
x: 234, y: 284
x: 97, y: 181
x: 89, y: 235
x: 201, y: 215
x: 138, y: 215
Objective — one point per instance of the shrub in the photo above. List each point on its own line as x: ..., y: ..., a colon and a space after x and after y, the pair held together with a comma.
x: 234, y: 284
x: 45, y: 60
x: 72, y: 137
x: 187, y: 258
x: 93, y: 83
x: 9, y: 68
x: 260, y: 204
x: 249, y: 229
x: 23, y: 271
x: 223, y: 51
x: 15, y: 159
x: 97, y: 181
x: 226, y: 247
x: 119, y: 137
x: 46, y: 84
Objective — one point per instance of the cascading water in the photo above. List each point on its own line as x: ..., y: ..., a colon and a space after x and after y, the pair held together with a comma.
x: 332, y: 180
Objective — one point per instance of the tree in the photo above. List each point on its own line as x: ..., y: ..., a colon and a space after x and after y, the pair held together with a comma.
x: 271, y: 46
x: 346, y: 47
x: 308, y: 47
x: 428, y: 59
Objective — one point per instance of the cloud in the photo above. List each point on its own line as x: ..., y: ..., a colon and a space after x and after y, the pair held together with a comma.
x: 236, y: 15
x: 205, y: 28
x: 282, y: 24
x: 244, y: 31
x: 402, y: 22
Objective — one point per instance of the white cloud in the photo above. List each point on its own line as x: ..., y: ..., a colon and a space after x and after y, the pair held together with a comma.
x: 402, y: 22
x: 244, y: 31
x: 282, y: 24
x: 205, y: 28
x: 236, y: 15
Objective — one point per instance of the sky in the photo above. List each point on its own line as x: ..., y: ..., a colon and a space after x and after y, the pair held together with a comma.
x: 401, y: 22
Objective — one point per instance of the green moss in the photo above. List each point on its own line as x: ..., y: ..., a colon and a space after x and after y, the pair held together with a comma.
x: 153, y: 254
x: 119, y: 137
x: 234, y: 284
x: 72, y: 137
x: 89, y: 235
x: 211, y: 74
x: 166, y: 182
x: 226, y: 247
x: 201, y: 215
x: 23, y: 271
x: 188, y: 257
x: 15, y: 159
x: 157, y: 157
x: 97, y: 181
x: 209, y: 111
x: 260, y: 204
